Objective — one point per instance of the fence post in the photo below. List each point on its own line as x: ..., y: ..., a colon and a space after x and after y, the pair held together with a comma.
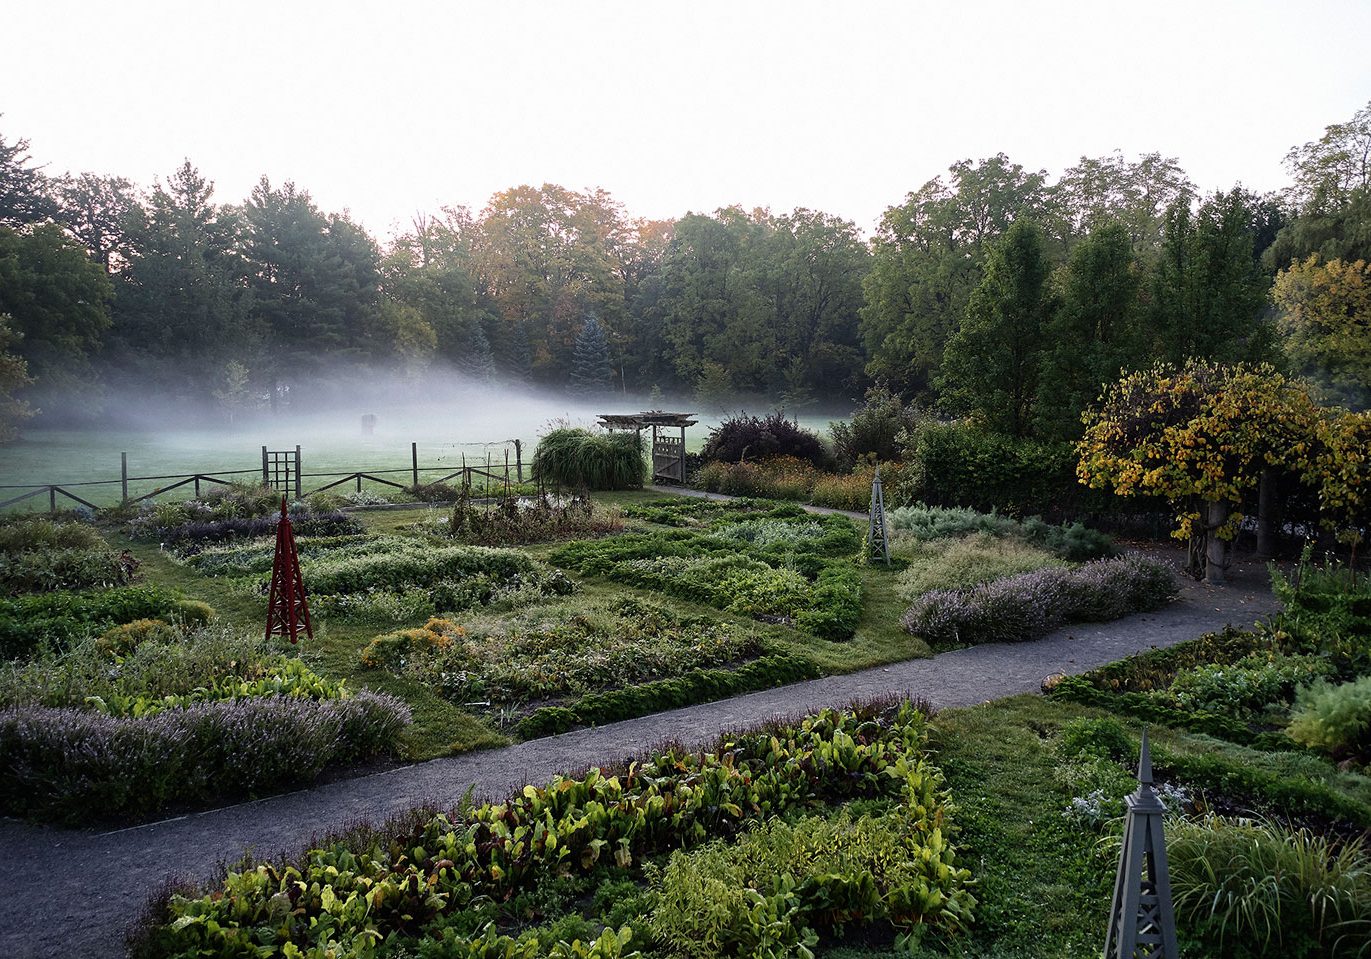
x: 197, y: 485
x: 52, y: 499
x: 414, y: 462
x: 297, y: 472
x: 519, y: 459
x: 265, y: 480
x: 124, y: 477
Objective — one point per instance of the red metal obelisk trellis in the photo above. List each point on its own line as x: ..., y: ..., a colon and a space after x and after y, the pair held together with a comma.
x: 287, y: 608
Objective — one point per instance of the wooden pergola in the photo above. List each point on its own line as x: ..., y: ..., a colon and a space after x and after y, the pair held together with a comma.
x: 668, y: 452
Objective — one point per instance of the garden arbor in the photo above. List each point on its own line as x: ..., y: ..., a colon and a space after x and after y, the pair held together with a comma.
x: 668, y: 451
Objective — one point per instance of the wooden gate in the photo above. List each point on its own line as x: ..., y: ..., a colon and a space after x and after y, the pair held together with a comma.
x: 281, y: 470
x: 668, y: 457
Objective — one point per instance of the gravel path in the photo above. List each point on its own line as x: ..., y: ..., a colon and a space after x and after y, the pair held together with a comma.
x: 73, y: 892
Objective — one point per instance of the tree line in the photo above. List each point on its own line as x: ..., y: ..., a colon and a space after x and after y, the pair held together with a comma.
x: 990, y: 291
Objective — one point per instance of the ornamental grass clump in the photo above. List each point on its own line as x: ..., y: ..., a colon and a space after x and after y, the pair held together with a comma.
x: 1269, y: 889
x: 1029, y: 605
x: 578, y: 459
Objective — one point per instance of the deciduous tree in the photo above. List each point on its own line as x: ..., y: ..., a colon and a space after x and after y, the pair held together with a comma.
x: 1326, y: 322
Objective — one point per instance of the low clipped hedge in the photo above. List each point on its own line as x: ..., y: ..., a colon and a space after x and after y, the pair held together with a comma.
x: 70, y: 765
x: 696, y: 686
x: 1030, y: 605
x: 59, y: 619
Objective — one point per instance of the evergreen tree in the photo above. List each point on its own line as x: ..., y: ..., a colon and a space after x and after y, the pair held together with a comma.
x: 990, y: 367
x: 591, y: 371
x: 1208, y: 291
x: 478, y: 360
x: 1093, y: 336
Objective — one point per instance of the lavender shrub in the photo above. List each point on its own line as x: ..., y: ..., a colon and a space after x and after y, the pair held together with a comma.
x: 75, y: 765
x: 1030, y: 605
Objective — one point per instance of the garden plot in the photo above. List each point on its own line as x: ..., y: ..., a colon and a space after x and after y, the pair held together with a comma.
x: 973, y: 577
x: 390, y: 579
x: 798, y: 571
x: 121, y: 701
x: 551, y: 667
x: 772, y: 842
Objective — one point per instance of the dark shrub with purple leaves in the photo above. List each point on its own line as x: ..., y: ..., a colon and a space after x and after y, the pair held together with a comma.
x: 1030, y: 605
x: 75, y: 765
x: 335, y: 523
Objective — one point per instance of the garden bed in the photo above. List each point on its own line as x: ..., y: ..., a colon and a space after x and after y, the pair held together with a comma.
x: 769, y: 842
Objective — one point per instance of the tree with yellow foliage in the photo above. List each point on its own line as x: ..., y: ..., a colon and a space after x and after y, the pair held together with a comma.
x: 1200, y: 435
x: 1326, y: 322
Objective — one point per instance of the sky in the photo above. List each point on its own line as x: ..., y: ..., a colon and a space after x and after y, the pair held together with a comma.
x: 388, y: 109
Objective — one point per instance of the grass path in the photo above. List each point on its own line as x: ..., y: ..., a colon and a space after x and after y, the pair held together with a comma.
x: 73, y: 893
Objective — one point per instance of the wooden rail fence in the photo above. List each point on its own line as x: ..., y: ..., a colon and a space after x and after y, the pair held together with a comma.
x: 281, y: 470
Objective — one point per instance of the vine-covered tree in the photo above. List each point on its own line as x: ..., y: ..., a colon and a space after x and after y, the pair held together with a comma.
x: 1199, y: 435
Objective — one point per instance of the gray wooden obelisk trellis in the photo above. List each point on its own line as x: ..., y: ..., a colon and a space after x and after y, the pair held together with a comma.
x: 1142, y: 923
x: 876, y: 537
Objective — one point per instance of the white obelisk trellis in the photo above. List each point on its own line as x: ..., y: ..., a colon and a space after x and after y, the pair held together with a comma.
x: 1142, y: 923
x: 876, y: 537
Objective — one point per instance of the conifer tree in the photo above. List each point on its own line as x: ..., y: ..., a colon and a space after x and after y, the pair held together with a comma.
x: 591, y: 371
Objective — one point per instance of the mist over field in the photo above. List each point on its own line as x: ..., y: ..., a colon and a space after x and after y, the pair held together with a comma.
x: 454, y: 418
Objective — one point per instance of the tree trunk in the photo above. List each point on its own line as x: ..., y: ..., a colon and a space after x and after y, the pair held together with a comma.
x: 1216, y: 514
x: 1266, y: 515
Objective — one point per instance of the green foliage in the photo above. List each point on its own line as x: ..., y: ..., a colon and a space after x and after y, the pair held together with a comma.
x: 1093, y: 335
x: 764, y: 896
x: 698, y: 512
x: 1254, y: 685
x: 57, y: 298
x: 546, y: 657
x: 1208, y: 294
x: 1260, y: 888
x: 144, y: 667
x: 1335, y: 719
x: 14, y: 376
x: 57, y: 620
x: 687, y: 689
x: 792, y: 581
x: 518, y: 520
x: 1073, y: 542
x: 591, y: 372
x: 927, y: 259
x: 991, y: 365
x: 960, y: 464
x: 966, y: 562
x: 41, y: 555
x: 579, y: 459
x: 875, y: 431
x: 427, y: 878
x: 1101, y: 738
